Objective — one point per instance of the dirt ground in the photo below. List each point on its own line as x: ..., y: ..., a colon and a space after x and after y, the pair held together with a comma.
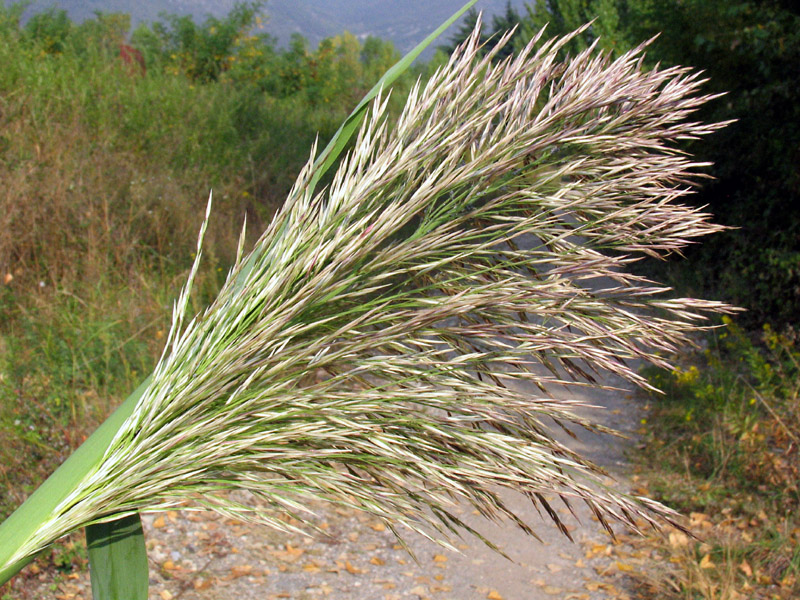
x: 202, y: 556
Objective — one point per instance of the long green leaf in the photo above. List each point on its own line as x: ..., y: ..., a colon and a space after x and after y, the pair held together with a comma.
x: 118, y: 559
x: 351, y: 123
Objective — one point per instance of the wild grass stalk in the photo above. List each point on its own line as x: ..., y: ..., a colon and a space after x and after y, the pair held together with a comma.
x: 478, y: 243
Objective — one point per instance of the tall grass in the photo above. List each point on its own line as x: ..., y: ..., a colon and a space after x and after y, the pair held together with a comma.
x: 406, y: 282
x: 104, y: 173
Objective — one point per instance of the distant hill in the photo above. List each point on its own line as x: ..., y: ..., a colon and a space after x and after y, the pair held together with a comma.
x: 404, y: 22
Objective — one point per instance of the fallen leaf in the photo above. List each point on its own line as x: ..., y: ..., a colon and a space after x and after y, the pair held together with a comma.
x: 159, y: 522
x: 202, y: 583
x: 241, y: 570
x: 678, y: 539
x: 764, y: 579
x: 599, y: 549
x: 623, y: 567
x: 745, y: 568
x: 696, y: 517
x: 290, y: 554
x: 378, y: 526
x: 706, y: 562
x: 353, y: 570
x: 377, y: 561
x: 439, y: 558
x: 593, y: 586
x: 552, y: 591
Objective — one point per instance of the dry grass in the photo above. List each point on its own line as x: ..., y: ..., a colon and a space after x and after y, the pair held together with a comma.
x: 76, y: 209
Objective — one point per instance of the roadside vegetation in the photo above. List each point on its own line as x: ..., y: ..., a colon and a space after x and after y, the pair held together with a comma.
x: 721, y: 446
x: 106, y: 166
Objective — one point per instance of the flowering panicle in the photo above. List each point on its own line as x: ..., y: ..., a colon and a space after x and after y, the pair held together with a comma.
x: 463, y: 255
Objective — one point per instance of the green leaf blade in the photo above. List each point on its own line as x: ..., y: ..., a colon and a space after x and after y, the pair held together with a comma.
x: 24, y: 522
x: 345, y: 132
x: 118, y: 559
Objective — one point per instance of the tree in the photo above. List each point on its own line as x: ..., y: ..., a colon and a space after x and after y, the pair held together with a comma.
x: 201, y: 51
x: 49, y: 30
x: 609, y: 24
x: 464, y: 31
x: 501, y: 23
x: 749, y: 52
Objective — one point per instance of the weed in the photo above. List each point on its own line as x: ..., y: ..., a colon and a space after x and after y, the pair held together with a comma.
x: 723, y: 445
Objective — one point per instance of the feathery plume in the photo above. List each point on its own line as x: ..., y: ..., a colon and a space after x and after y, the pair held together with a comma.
x: 477, y: 243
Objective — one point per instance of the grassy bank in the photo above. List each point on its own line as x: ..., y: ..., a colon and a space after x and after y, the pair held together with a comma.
x: 722, y: 447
